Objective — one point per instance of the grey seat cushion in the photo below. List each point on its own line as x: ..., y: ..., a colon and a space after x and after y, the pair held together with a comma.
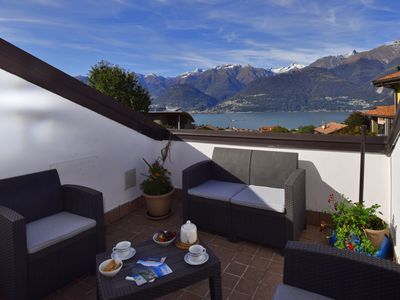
x: 218, y: 190
x: 288, y: 292
x: 261, y: 197
x: 53, y: 229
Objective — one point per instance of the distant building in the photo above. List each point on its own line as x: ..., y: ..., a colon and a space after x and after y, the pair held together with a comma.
x: 266, y: 129
x: 329, y: 128
x: 381, y: 118
x: 207, y: 127
x: 172, y: 119
x: 159, y: 107
x: 391, y: 81
x: 384, y: 115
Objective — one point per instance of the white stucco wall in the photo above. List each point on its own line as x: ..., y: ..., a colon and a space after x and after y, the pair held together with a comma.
x: 40, y: 130
x: 326, y: 172
x: 395, y: 199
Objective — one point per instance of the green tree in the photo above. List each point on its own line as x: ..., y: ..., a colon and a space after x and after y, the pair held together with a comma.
x: 280, y: 129
x: 306, y: 129
x: 120, y: 84
x: 356, y: 119
x: 354, y: 122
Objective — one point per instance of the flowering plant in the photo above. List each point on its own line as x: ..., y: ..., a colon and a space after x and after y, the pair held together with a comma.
x: 349, y: 221
x: 158, y: 180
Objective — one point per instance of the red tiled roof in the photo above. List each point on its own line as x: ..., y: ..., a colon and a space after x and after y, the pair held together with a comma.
x: 267, y: 128
x: 330, y: 127
x: 387, y: 111
x: 388, y: 78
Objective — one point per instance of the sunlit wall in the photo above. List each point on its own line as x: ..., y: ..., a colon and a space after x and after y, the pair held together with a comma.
x: 40, y: 130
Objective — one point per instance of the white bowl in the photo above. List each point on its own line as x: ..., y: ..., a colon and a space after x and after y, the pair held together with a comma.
x: 167, y: 243
x: 112, y: 273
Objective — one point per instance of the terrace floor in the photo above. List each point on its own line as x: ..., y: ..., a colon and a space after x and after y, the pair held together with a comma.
x: 250, y: 271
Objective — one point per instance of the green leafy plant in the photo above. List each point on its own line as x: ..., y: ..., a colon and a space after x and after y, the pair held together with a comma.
x: 348, y: 223
x: 306, y: 129
x: 122, y: 85
x: 158, y: 180
x: 280, y: 129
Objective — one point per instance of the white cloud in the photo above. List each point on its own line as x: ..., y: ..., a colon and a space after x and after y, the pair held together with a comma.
x: 30, y: 21
x: 50, y: 3
x: 230, y: 37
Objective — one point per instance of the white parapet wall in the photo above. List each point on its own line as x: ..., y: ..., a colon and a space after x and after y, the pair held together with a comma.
x: 395, y: 199
x: 326, y: 172
x: 40, y: 130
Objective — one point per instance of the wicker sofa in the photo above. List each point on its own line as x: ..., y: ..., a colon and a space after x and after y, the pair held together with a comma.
x: 339, y: 274
x: 50, y: 234
x: 247, y: 194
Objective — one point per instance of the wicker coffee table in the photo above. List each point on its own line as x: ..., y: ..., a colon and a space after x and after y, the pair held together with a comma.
x: 182, y: 275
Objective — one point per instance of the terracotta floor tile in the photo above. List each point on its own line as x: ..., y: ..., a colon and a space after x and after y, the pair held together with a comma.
x: 226, y: 292
x: 186, y: 295
x: 264, y: 252
x: 264, y: 292
x: 225, y: 252
x: 276, y: 267
x: 238, y: 296
x: 205, y: 236
x: 249, y: 248
x: 229, y: 281
x: 246, y: 286
x: 223, y: 242
x: 224, y: 264
x: 236, y: 269
x: 277, y: 257
x: 243, y: 258
x: 254, y: 274
x: 201, y: 288
x: 172, y: 296
x: 260, y: 263
x: 271, y: 279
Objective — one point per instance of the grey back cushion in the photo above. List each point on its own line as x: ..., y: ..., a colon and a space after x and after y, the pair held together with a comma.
x: 270, y: 168
x: 231, y: 165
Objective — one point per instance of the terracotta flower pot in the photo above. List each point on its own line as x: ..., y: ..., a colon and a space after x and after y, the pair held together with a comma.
x: 159, y: 206
x: 376, y: 236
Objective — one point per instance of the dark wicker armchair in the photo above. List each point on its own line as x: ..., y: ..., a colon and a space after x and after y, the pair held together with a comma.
x: 50, y: 234
x: 338, y: 274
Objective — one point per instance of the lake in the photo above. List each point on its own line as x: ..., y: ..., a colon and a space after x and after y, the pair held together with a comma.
x: 289, y: 120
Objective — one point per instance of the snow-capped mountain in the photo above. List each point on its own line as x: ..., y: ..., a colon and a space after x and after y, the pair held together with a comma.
x: 195, y: 72
x: 351, y: 53
x: 333, y: 82
x: 289, y: 68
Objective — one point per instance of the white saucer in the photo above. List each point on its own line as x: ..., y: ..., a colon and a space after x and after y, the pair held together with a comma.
x: 188, y: 259
x: 131, y: 254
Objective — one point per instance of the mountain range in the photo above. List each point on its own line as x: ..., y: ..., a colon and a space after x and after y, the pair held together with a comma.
x: 341, y: 82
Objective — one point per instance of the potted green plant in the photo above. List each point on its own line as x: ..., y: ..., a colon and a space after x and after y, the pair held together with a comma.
x: 157, y: 188
x: 350, y: 223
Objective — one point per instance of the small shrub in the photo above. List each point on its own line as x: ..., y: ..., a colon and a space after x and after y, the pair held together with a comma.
x: 280, y: 129
x: 349, y: 221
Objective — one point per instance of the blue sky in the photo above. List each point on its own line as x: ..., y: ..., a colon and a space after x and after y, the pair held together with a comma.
x: 169, y: 37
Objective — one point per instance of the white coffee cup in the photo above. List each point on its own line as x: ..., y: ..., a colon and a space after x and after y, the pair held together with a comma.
x: 122, y: 249
x: 197, y: 252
